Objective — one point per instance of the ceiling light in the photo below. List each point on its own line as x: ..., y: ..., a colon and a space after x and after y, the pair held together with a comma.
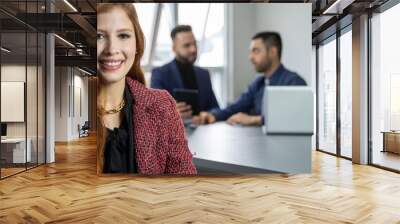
x: 86, y: 72
x: 335, y: 7
x: 5, y: 50
x: 64, y: 40
x: 70, y: 5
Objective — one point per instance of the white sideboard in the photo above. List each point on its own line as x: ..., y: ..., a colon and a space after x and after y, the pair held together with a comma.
x: 17, y: 145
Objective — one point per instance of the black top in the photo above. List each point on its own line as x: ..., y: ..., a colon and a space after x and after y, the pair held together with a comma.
x: 119, y: 151
x: 186, y: 70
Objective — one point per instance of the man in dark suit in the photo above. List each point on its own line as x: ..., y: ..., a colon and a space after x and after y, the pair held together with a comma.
x: 181, y: 73
x: 265, y: 55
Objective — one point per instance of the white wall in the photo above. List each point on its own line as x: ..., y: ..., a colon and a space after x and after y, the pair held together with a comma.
x: 68, y: 83
x: 61, y: 104
x: 292, y: 21
x: 240, y: 30
x: 80, y: 83
x: 14, y: 73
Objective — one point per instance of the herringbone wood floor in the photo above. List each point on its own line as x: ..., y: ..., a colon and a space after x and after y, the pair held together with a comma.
x: 69, y: 191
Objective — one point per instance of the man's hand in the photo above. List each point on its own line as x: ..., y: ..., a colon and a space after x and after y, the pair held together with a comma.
x: 204, y: 118
x: 184, y: 109
x: 245, y: 119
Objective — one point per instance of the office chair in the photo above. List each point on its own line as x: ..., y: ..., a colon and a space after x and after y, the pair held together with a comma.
x: 84, y: 130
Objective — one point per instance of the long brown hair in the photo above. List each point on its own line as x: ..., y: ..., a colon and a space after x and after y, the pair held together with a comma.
x: 135, y: 72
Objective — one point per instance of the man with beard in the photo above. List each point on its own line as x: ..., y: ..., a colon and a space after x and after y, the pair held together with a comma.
x: 265, y: 55
x: 181, y: 73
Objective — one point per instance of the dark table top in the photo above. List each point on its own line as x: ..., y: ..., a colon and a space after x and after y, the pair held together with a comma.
x: 237, y: 149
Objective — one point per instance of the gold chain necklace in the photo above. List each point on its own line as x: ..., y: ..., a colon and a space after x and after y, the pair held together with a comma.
x: 101, y: 111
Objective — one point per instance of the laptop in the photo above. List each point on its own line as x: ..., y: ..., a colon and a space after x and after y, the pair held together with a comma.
x: 288, y: 110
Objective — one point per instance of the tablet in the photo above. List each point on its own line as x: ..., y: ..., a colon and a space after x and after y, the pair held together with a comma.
x: 189, y: 96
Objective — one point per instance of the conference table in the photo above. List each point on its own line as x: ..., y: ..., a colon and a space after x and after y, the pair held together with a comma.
x: 223, y: 148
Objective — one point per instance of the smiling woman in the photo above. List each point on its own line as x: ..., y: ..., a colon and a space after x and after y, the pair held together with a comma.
x: 135, y: 122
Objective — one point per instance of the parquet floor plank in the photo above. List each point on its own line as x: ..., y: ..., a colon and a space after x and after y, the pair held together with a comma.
x: 69, y: 191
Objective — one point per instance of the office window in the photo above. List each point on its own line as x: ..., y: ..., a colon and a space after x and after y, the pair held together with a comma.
x: 346, y: 94
x: 395, y: 102
x: 208, y: 26
x: 327, y: 96
x: 195, y: 18
x: 146, y: 14
x: 385, y: 88
x: 163, y: 48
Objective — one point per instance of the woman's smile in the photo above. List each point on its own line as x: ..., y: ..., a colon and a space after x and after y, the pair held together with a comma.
x: 110, y: 65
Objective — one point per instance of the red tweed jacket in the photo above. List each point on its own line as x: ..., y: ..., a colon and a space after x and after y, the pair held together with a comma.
x: 160, y: 142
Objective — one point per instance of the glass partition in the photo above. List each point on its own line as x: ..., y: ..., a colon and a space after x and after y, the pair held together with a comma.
x: 385, y: 89
x: 22, y: 88
x: 346, y: 94
x: 15, y: 149
x: 327, y: 96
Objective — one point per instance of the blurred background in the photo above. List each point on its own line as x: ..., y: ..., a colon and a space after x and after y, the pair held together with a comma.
x: 223, y: 32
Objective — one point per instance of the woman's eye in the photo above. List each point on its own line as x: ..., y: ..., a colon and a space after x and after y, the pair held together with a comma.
x: 124, y: 36
x: 100, y: 36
